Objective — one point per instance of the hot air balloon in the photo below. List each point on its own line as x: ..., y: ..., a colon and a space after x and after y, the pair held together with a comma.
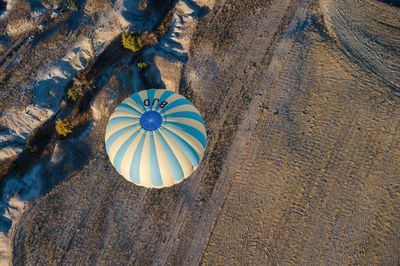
x: 155, y: 138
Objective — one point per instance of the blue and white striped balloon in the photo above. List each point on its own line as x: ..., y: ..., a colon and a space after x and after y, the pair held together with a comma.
x: 155, y: 138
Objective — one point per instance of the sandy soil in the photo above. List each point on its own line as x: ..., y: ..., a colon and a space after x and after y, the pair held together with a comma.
x: 301, y: 102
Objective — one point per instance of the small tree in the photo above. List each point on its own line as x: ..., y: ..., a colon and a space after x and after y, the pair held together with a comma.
x: 131, y: 42
x: 142, y: 64
x: 64, y: 127
x: 78, y: 89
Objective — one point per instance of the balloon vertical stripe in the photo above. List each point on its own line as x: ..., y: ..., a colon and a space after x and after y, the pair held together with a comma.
x: 177, y: 171
x: 155, y: 173
x: 134, y: 171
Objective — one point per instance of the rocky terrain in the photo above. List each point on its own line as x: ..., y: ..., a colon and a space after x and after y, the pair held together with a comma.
x: 301, y: 101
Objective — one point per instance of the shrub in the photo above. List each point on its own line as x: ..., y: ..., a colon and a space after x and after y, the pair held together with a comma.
x: 70, y: 5
x: 31, y: 148
x: 131, y: 42
x: 230, y: 7
x: 142, y: 64
x: 225, y: 39
x: 78, y: 89
x: 64, y: 127
x: 72, y: 95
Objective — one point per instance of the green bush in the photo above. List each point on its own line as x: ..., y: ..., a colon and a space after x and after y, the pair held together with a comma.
x: 78, y: 89
x: 131, y: 42
x: 64, y: 127
x: 142, y: 64
x: 72, y: 95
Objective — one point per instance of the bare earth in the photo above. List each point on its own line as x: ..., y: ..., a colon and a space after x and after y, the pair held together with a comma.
x: 301, y: 100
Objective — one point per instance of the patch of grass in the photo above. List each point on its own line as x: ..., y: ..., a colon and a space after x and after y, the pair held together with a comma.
x: 142, y: 65
x: 131, y: 42
x: 64, y: 127
x: 78, y: 89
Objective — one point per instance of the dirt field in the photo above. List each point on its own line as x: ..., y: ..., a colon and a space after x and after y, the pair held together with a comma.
x: 302, y: 105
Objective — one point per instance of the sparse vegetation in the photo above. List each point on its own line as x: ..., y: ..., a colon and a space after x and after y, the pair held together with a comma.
x: 78, y: 89
x: 148, y: 38
x: 230, y: 7
x: 131, y: 42
x: 142, y: 64
x: 31, y: 148
x: 64, y: 127
x: 225, y: 39
x: 70, y: 5
x: 72, y: 95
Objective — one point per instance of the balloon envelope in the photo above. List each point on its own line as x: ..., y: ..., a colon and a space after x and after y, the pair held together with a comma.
x: 155, y: 138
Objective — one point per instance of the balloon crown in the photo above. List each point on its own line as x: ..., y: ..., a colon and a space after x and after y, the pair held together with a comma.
x: 151, y: 120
